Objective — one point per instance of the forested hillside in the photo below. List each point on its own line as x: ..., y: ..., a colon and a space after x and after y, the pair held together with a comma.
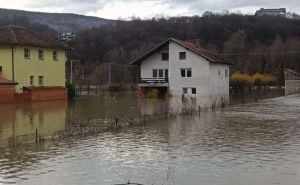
x: 61, y: 22
x: 252, y: 43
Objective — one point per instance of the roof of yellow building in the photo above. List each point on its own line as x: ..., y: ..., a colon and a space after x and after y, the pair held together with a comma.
x: 17, y: 35
x: 4, y: 81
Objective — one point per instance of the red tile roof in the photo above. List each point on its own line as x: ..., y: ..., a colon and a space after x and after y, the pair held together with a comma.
x: 4, y: 81
x: 211, y: 57
x: 16, y: 35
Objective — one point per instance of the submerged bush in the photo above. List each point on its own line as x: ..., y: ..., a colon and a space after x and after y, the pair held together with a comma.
x: 168, y: 95
x: 152, y: 93
x: 71, y: 89
x: 240, y: 80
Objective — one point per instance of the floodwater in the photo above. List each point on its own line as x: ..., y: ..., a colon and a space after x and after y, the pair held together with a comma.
x: 250, y: 142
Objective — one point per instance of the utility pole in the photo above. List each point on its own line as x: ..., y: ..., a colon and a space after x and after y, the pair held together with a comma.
x: 109, y: 74
x: 71, y: 69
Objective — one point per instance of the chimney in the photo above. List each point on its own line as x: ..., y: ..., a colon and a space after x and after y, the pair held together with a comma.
x: 197, y: 42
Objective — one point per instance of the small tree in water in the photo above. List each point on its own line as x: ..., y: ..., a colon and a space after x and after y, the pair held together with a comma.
x: 71, y: 89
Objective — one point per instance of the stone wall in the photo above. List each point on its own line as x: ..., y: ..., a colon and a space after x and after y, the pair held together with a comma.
x: 292, y: 82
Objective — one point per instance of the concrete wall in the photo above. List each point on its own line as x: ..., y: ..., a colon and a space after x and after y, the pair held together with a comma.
x: 219, y: 80
x: 292, y: 87
x: 292, y: 82
x: 153, y: 62
x: 53, y: 71
x: 200, y: 72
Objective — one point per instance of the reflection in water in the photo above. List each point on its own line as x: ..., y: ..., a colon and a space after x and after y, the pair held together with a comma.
x: 254, y: 143
x: 18, y: 123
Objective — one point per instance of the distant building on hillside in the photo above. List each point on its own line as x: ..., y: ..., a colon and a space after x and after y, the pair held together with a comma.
x: 273, y: 12
x: 67, y: 36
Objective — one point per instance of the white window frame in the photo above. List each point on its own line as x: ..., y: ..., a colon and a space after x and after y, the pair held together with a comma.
x: 55, y: 55
x: 186, y: 72
x: 31, y: 80
x: 26, y: 52
x: 41, y: 81
x: 41, y: 54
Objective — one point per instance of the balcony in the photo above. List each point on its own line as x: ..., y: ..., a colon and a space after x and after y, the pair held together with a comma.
x: 154, y: 82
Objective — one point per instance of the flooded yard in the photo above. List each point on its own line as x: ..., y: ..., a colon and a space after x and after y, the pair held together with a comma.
x: 256, y: 140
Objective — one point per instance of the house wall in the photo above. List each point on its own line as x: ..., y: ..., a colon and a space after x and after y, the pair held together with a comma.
x: 5, y: 62
x: 7, y: 94
x: 53, y: 71
x: 218, y: 82
x: 200, y: 72
x: 153, y: 62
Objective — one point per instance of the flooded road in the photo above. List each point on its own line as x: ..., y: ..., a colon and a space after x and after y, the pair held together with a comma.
x: 251, y: 143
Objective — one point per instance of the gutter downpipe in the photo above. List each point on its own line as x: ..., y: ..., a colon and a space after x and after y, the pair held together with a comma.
x: 13, y: 63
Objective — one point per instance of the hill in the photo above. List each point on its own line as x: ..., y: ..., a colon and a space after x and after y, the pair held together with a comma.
x: 62, y: 22
x: 262, y: 44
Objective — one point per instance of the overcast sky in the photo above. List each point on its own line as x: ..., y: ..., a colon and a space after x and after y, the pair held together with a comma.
x: 115, y: 9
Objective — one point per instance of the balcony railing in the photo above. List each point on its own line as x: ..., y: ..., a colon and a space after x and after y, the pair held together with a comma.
x: 154, y: 80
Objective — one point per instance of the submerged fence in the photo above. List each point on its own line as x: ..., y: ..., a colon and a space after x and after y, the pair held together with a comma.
x: 95, y: 126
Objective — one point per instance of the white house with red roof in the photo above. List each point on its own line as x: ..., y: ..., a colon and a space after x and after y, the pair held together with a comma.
x: 185, y: 69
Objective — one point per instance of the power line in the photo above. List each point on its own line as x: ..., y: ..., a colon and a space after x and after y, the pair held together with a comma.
x: 262, y: 53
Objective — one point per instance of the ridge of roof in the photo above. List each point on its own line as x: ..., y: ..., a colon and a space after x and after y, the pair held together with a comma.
x: 208, y: 55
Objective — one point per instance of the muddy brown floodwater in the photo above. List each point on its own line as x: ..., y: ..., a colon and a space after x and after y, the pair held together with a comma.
x: 250, y: 142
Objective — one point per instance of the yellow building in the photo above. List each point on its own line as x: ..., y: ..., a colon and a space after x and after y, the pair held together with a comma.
x: 30, y: 59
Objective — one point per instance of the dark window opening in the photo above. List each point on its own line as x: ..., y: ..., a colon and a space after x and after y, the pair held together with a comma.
x: 182, y: 55
x: 165, y: 56
x: 185, y: 90
x: 194, y: 91
x: 41, y: 55
x: 154, y: 74
x: 161, y: 73
x: 26, y: 53
x: 166, y: 73
x: 182, y: 72
x: 189, y: 72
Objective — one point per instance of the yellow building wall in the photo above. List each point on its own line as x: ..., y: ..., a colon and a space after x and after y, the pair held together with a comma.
x: 5, y: 62
x: 52, y: 71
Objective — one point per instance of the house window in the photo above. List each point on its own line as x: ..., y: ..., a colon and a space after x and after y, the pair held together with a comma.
x: 31, y: 81
x: 165, y: 56
x: 26, y: 53
x: 186, y: 72
x: 40, y: 54
x: 189, y: 72
x: 182, y: 55
x: 54, y: 55
x: 41, y: 81
x: 166, y: 73
x: 185, y: 90
x: 182, y: 72
x: 226, y: 73
x: 160, y: 73
x: 154, y: 73
x: 194, y: 91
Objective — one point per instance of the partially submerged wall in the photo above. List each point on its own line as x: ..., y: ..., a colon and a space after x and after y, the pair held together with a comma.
x: 7, y: 94
x: 32, y: 94
x: 292, y: 82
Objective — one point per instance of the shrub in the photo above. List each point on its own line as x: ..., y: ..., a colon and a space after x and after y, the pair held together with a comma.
x: 152, y: 93
x: 71, y: 89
